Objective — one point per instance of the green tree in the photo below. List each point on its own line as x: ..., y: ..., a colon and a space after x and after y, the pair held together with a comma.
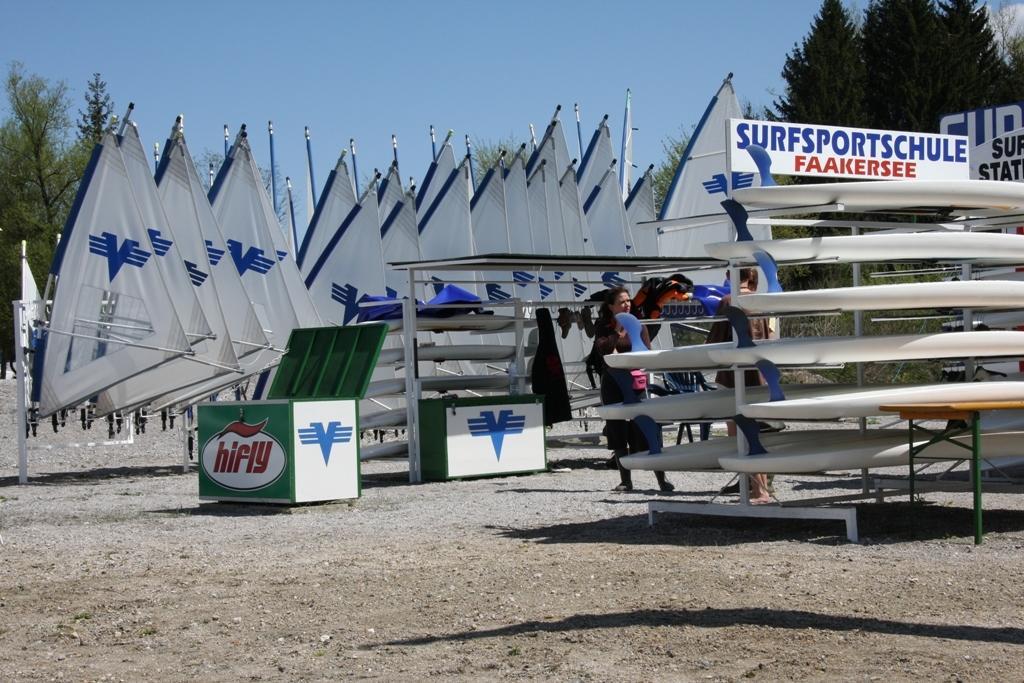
x: 99, y: 108
x: 825, y: 74
x: 40, y: 166
x: 486, y: 153
x: 974, y: 73
x: 904, y: 45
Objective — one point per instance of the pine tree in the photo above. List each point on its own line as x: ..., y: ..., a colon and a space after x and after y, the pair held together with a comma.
x: 825, y: 74
x: 975, y: 74
x: 903, y: 55
x: 98, y: 109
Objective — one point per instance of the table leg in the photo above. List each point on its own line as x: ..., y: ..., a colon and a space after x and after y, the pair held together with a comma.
x: 910, y: 488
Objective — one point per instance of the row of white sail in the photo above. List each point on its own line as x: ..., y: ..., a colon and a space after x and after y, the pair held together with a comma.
x: 164, y: 295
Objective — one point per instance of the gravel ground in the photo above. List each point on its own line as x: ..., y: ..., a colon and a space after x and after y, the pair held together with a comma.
x: 112, y: 569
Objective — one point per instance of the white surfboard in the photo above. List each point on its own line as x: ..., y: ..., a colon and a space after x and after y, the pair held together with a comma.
x: 388, y: 449
x: 866, y: 401
x: 481, y: 352
x: 439, y: 383
x: 469, y: 322
x: 889, y: 194
x: 905, y: 246
x: 956, y: 294
x: 701, y: 405
x: 704, y: 455
x: 814, y: 350
x: 810, y: 457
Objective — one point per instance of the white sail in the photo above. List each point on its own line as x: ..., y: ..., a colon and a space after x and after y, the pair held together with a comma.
x: 640, y: 209
x: 398, y: 232
x: 445, y: 227
x: 189, y: 211
x: 437, y: 174
x: 336, y: 200
x: 491, y: 232
x: 598, y: 158
x: 607, y: 218
x: 351, y: 266
x: 112, y: 316
x: 178, y: 183
x: 192, y: 295
x: 701, y: 182
x: 241, y: 208
x: 517, y: 209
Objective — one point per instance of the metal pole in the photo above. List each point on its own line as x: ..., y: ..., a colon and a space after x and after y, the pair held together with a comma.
x: 273, y: 171
x: 976, y: 472
x: 412, y: 379
x: 156, y: 156
x: 579, y: 129
x: 433, y: 144
x: 394, y: 148
x: 226, y: 146
x: 309, y: 162
x: 355, y: 172
x: 22, y: 406
x: 469, y: 155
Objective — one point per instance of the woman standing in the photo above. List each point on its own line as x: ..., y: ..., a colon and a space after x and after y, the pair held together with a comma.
x: 623, y: 436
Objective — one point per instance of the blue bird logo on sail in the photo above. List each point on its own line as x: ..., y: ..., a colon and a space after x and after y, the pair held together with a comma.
x: 522, y: 278
x: 612, y: 279
x: 719, y: 183
x: 578, y: 288
x: 160, y: 245
x: 253, y: 259
x: 348, y: 296
x: 213, y: 253
x: 545, y: 290
x: 197, y: 276
x: 324, y: 436
x: 497, y: 426
x: 128, y: 253
x: 281, y: 255
x: 496, y: 293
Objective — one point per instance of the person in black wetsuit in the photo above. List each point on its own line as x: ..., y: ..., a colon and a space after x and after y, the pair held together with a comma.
x: 623, y: 436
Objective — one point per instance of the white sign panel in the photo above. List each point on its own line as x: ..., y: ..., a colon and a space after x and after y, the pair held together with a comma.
x: 495, y: 439
x: 833, y: 152
x: 1001, y: 158
x: 326, y: 448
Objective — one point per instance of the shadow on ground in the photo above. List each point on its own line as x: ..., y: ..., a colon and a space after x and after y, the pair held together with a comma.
x: 723, y: 618
x: 878, y: 524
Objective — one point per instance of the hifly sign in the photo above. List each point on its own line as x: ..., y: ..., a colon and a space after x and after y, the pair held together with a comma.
x: 836, y: 152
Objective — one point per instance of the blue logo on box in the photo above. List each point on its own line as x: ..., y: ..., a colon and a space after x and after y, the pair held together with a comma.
x: 496, y: 425
x: 325, y: 436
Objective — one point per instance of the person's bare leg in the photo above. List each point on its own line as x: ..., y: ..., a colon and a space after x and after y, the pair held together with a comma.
x: 759, y: 489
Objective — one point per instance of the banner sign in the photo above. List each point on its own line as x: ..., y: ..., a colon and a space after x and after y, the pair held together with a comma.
x: 863, y: 153
x: 981, y: 125
x: 1001, y: 158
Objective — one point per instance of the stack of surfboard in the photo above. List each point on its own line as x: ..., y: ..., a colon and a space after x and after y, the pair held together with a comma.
x: 835, y: 449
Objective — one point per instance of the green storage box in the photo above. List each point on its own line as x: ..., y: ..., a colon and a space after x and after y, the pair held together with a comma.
x: 480, y: 437
x: 302, y: 444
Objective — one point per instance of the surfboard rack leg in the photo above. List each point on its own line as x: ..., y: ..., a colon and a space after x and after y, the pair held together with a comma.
x: 842, y: 514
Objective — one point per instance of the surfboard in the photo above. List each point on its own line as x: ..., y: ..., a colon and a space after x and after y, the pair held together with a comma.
x: 384, y: 419
x: 704, y: 455
x: 701, y: 405
x: 905, y: 246
x: 388, y: 449
x: 817, y: 350
x: 822, y: 457
x: 481, y: 352
x: 439, y: 383
x: 889, y: 194
x: 865, y: 402
x: 468, y: 322
x: 955, y: 294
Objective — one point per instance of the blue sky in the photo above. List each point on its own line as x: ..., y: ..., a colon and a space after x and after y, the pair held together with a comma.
x: 366, y: 70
